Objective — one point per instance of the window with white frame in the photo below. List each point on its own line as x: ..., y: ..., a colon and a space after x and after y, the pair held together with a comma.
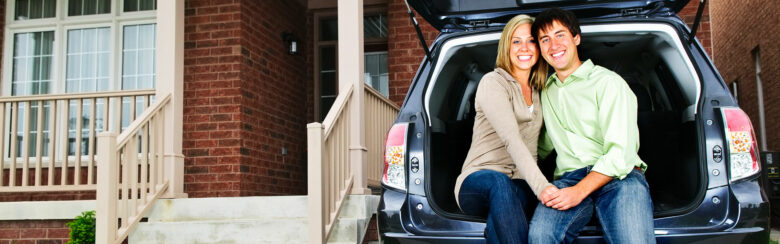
x: 76, y: 46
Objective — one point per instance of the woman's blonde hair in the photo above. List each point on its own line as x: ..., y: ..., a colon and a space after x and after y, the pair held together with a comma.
x: 539, y: 71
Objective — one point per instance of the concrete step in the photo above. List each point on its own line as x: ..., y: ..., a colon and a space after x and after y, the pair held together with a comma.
x: 227, y: 231
x: 280, y: 219
x: 351, y: 225
x: 222, y: 208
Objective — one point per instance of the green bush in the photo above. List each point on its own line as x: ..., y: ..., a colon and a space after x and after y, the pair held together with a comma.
x: 82, y: 229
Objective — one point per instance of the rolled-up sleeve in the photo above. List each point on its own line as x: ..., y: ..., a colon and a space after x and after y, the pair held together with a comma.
x: 617, y: 118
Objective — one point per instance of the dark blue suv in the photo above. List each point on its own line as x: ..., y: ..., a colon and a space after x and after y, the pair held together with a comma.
x: 700, y: 148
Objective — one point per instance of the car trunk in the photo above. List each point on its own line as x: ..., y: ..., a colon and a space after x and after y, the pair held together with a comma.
x: 647, y: 56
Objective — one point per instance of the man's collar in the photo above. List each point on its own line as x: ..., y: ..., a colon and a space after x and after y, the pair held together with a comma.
x: 581, y: 72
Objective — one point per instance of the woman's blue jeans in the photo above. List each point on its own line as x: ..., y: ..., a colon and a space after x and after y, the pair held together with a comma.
x: 623, y: 208
x: 503, y: 201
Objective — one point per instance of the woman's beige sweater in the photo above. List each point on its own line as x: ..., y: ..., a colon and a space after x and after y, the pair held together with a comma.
x: 505, y: 132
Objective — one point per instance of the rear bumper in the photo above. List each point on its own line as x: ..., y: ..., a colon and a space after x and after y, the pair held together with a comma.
x: 742, y: 235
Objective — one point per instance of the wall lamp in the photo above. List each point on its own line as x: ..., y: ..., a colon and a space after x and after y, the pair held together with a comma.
x: 292, y: 42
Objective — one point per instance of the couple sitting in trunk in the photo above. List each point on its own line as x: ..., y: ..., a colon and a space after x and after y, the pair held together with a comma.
x: 585, y: 112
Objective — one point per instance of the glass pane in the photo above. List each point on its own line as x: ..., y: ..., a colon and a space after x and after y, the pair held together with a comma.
x: 328, y: 84
x: 138, y: 62
x: 88, y: 7
x: 375, y: 26
x: 140, y: 5
x: 147, y: 5
x: 328, y: 58
x: 326, y: 103
x: 32, y: 63
x: 34, y: 9
x: 376, y: 71
x: 87, y: 60
x: 329, y: 29
x: 131, y: 5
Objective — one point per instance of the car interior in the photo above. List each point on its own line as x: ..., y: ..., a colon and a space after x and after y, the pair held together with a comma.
x: 648, y: 61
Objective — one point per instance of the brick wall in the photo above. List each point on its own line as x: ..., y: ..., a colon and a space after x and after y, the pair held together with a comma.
x: 688, y: 14
x: 241, y: 99
x: 34, y: 232
x: 212, y: 62
x: 404, y: 52
x: 737, y: 28
x: 273, y: 91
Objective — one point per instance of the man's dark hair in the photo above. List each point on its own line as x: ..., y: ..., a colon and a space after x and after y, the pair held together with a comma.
x: 545, y: 20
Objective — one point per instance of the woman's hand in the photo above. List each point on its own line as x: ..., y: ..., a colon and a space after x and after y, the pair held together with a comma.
x: 566, y: 198
x: 547, y: 193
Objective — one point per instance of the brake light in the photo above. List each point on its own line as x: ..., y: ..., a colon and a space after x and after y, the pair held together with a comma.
x: 395, y: 155
x: 741, y: 139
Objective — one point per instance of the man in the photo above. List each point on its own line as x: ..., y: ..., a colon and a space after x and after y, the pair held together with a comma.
x: 590, y: 119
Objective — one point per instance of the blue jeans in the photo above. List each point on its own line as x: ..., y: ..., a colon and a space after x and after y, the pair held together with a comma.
x: 623, y: 208
x: 503, y: 201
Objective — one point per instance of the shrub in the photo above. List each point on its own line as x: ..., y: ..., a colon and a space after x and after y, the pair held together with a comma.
x: 82, y: 229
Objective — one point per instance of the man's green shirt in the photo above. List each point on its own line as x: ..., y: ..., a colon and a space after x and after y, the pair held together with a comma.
x: 590, y: 119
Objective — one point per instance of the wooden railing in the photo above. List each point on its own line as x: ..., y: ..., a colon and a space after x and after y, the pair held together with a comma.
x: 132, y: 173
x: 380, y: 114
x: 331, y: 175
x: 48, y: 142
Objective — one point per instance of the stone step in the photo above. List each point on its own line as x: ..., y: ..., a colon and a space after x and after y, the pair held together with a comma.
x: 353, y: 220
x: 280, y: 219
x: 228, y: 208
x: 226, y: 231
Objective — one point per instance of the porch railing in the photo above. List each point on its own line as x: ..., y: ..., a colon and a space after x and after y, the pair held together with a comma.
x: 380, y: 114
x: 330, y: 176
x: 329, y: 168
x: 132, y: 173
x: 48, y: 142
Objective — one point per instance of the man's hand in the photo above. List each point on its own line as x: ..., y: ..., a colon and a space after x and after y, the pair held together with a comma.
x: 570, y: 197
x: 566, y: 198
x: 546, y: 194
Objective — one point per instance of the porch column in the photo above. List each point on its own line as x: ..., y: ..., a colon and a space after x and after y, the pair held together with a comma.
x: 170, y: 79
x: 351, y: 68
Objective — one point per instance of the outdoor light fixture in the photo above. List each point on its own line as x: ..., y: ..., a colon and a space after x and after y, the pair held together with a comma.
x: 292, y: 42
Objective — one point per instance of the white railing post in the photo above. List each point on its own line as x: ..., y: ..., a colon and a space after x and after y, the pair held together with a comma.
x: 316, y: 186
x: 107, y: 175
x: 351, y: 68
x: 170, y: 53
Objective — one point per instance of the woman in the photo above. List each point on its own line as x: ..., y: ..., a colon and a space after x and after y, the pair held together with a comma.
x: 500, y: 173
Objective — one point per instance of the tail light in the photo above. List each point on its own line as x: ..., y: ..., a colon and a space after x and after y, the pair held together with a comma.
x: 395, y: 157
x: 741, y: 139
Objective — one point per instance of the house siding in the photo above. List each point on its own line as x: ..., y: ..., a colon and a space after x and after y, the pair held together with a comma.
x: 738, y: 27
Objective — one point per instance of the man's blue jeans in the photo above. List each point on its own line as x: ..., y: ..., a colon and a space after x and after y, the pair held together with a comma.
x: 623, y: 208
x: 503, y: 201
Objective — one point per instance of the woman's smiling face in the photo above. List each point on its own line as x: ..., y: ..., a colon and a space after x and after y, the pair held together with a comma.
x: 523, y: 51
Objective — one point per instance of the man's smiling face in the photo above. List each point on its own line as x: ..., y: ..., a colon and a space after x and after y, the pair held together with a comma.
x: 559, y: 48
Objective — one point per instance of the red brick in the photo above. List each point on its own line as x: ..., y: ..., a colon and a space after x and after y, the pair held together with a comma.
x: 9, y: 233
x: 738, y: 28
x: 58, y: 233
x: 33, y: 233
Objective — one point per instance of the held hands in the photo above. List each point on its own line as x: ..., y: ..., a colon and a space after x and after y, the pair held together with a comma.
x: 562, y: 199
x: 546, y: 194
